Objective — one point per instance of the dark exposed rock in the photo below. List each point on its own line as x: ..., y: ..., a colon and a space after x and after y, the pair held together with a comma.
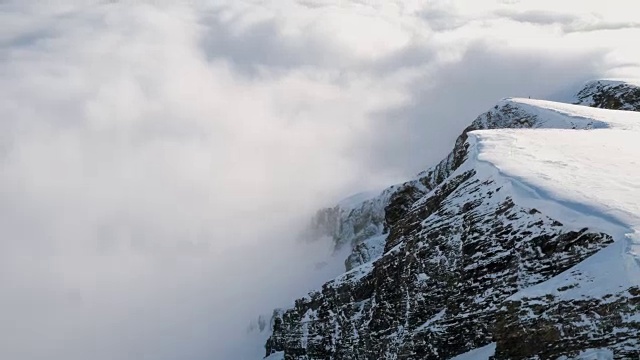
x: 550, y: 327
x: 610, y: 95
x: 448, y: 266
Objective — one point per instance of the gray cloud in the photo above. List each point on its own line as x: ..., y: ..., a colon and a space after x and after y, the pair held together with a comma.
x: 426, y: 126
x: 537, y: 17
x: 262, y: 45
x: 570, y: 23
x: 157, y: 160
x: 600, y: 26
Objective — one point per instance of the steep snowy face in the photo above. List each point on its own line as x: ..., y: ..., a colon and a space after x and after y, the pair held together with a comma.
x: 609, y: 94
x: 487, y: 253
x: 595, y: 174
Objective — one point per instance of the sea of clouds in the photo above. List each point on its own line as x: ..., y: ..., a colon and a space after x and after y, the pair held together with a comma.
x: 158, y: 158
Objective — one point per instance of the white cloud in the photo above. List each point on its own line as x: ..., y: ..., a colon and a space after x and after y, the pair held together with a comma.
x: 157, y: 159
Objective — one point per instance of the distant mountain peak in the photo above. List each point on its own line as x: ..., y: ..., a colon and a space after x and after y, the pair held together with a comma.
x: 610, y: 94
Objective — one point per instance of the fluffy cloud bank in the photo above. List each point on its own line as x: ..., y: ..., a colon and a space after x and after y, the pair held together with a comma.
x: 157, y: 159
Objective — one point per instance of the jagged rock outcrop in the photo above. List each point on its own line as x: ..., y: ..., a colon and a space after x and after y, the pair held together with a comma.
x: 359, y: 225
x: 607, y: 94
x: 454, y: 256
x: 550, y: 327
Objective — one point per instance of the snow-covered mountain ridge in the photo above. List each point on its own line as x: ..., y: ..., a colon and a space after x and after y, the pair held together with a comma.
x: 499, y: 246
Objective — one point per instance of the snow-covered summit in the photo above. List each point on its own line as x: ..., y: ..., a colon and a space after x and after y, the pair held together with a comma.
x: 595, y: 177
x: 522, y: 243
x: 596, y: 173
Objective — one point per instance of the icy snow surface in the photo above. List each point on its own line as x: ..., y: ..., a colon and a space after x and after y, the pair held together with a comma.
x: 592, y: 173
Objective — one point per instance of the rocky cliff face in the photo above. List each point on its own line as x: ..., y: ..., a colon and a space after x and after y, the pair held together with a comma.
x: 441, y: 265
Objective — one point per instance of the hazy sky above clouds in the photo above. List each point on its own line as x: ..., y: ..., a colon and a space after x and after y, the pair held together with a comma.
x: 157, y: 158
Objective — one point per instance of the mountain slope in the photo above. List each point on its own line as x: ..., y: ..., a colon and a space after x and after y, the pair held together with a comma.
x: 595, y: 173
x: 477, y: 249
x: 363, y: 225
